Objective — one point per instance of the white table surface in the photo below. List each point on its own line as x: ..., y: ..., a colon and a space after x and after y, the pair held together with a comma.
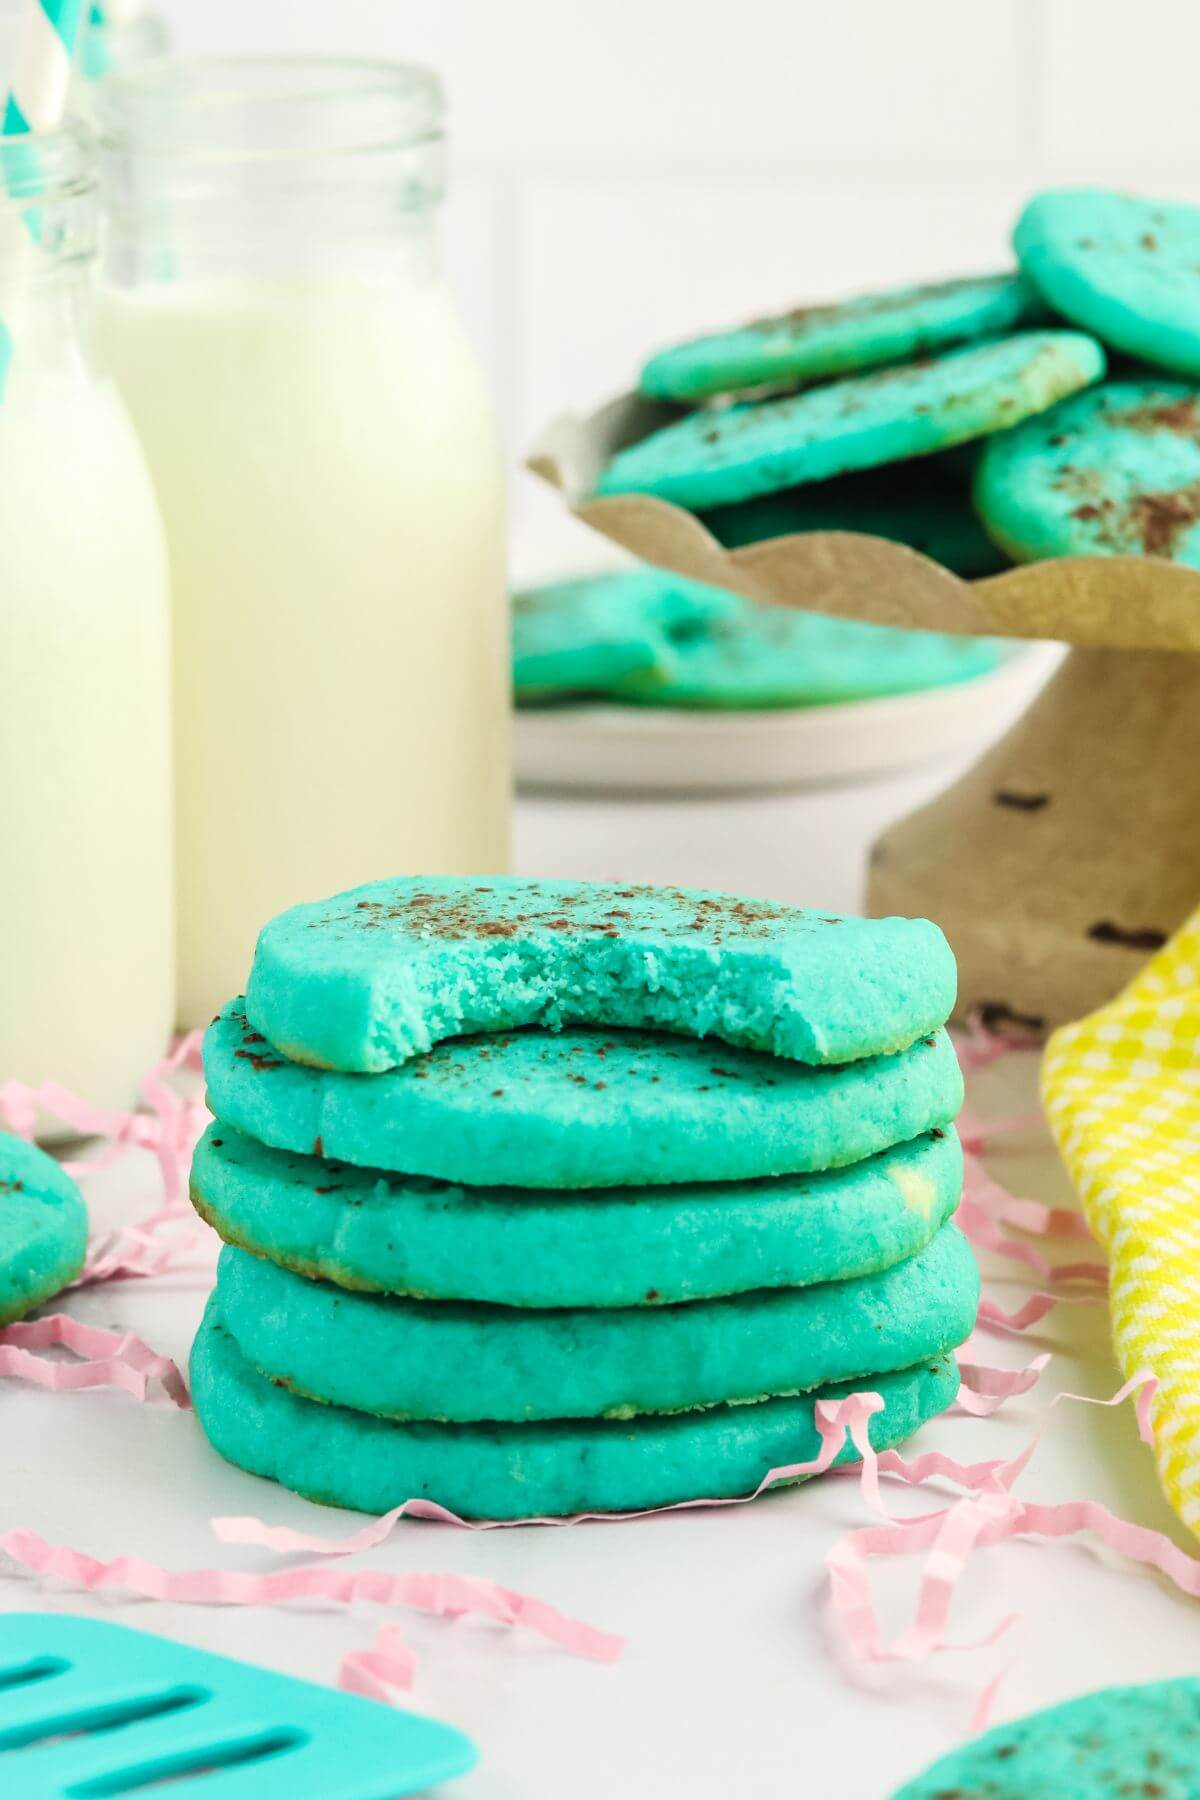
x: 732, y: 1675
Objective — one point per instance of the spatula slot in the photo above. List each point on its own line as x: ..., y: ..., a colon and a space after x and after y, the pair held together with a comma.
x: 214, y: 1759
x: 85, y: 1721
x: 25, y: 1674
x: 91, y: 1710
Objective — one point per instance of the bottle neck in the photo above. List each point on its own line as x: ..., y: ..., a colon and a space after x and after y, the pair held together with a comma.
x: 271, y: 170
x: 48, y: 231
x: 155, y: 234
x: 50, y: 320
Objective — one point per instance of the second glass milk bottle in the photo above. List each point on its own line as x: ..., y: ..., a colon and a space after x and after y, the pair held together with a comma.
x: 86, y: 952
x: 329, y: 474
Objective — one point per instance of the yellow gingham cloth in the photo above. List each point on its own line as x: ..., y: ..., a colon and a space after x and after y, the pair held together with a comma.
x: 1122, y: 1093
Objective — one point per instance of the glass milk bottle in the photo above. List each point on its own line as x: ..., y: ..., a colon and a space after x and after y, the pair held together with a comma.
x: 329, y: 474
x: 86, y: 954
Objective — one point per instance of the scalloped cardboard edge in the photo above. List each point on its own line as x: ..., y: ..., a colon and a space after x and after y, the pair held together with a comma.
x: 1070, y: 847
x: 1109, y: 602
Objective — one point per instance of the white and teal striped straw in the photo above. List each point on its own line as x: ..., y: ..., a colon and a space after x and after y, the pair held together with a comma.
x: 37, y: 97
x: 36, y: 102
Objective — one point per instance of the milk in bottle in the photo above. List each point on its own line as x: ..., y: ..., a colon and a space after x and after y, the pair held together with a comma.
x: 328, y: 470
x: 86, y: 956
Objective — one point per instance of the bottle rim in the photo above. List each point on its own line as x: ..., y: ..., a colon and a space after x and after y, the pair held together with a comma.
x: 54, y: 168
x: 269, y: 109
x: 49, y: 204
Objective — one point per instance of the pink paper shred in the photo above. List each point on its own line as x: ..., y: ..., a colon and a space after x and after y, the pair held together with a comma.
x: 987, y: 1513
x: 978, y: 1047
x: 983, y: 1389
x: 112, y: 1359
x: 984, y: 1512
x: 380, y: 1673
x: 450, y: 1596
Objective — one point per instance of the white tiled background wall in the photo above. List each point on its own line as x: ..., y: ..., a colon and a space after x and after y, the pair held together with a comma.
x: 628, y: 171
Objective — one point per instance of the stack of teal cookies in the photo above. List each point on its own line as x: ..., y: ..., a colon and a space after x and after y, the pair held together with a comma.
x: 542, y: 1198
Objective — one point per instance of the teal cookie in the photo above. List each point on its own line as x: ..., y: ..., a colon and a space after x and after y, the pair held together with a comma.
x: 377, y: 975
x: 442, y: 1360
x: 832, y: 339
x: 554, y: 1469
x: 400, y: 1234
x: 583, y: 1109
x: 777, y: 657
x: 587, y: 635
x: 922, y: 504
x: 741, y: 655
x: 1113, y: 472
x: 716, y: 457
x: 43, y: 1228
x: 1124, y: 268
x: 1112, y: 1745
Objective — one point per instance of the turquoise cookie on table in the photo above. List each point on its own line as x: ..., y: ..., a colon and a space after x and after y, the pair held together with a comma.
x: 583, y: 1109
x: 1125, y: 268
x: 434, y: 1240
x: 727, y: 653
x: 407, y: 1359
x: 43, y: 1228
x: 375, y: 976
x: 505, y: 1471
x: 924, y: 504
x: 863, y: 332
x: 589, y: 634
x: 1119, y: 1744
x: 779, y: 658
x: 716, y: 457
x: 1113, y: 472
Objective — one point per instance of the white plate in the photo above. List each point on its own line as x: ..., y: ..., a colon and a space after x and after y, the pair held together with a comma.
x: 647, y: 750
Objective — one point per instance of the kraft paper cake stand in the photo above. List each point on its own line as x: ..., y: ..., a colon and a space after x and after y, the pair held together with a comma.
x: 1072, y: 849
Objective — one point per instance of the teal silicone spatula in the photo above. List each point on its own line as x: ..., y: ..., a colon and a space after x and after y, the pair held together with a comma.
x: 92, y: 1711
